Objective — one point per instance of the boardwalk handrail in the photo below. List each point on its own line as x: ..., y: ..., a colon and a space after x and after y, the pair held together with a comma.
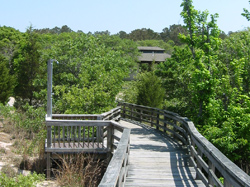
x: 209, y: 162
x: 71, y: 133
x: 117, y: 169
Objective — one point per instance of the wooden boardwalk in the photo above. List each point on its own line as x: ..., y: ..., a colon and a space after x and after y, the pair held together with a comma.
x: 156, y: 160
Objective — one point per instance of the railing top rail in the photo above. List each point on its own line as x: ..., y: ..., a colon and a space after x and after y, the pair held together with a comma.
x: 150, y: 108
x: 111, y: 176
x: 230, y: 170
x: 77, y: 123
x: 77, y: 115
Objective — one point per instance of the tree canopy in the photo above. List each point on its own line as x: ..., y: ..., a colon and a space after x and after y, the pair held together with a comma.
x: 207, y: 81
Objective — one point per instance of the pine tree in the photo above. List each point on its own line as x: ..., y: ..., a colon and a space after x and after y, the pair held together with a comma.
x: 6, y: 82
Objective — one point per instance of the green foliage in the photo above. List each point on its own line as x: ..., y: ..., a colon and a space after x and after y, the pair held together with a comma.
x: 9, y: 40
x: 27, y: 66
x: 146, y: 90
x: 150, y: 91
x: 21, y: 180
x: 176, y: 75
x: 246, y: 13
x: 208, y: 81
x: 7, y: 82
x: 129, y: 92
x: 172, y: 33
x: 90, y: 72
x: 143, y: 34
x: 28, y: 124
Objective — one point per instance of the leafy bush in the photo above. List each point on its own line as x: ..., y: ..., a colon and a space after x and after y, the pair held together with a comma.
x: 27, y: 125
x: 20, y: 180
x: 150, y: 91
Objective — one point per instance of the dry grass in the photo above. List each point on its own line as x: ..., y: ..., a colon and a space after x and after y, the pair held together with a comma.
x: 79, y: 170
x: 9, y: 171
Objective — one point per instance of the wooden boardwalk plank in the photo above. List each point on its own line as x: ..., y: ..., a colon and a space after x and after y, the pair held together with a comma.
x: 157, y: 160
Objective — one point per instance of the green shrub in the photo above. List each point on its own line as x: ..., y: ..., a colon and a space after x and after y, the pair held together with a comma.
x: 150, y: 91
x: 20, y: 180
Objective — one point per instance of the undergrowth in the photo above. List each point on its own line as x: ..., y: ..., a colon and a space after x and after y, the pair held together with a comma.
x: 79, y: 170
x: 28, y: 132
x: 20, y: 180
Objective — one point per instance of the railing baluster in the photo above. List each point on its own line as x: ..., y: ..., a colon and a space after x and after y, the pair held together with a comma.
x: 102, y: 138
x: 54, y: 139
x: 68, y: 136
x: 157, y: 121
x: 83, y: 136
x: 59, y: 132
x: 71, y: 135
x: 49, y: 136
x: 74, y: 131
x: 98, y: 136
x: 63, y: 136
x: 79, y: 136
x: 165, y: 124
x: 93, y: 134
x: 88, y: 136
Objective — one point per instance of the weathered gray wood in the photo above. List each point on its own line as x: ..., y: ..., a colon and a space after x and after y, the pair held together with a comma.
x: 73, y: 123
x: 156, y: 160
x: 187, y: 133
x: 48, y: 165
x: 117, y: 169
x: 49, y: 137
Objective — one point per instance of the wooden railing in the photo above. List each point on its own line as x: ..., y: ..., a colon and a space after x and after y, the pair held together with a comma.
x: 210, y: 164
x: 72, y: 133
x: 117, y: 169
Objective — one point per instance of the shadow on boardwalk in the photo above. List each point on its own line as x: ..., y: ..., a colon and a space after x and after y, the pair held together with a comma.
x: 157, y: 160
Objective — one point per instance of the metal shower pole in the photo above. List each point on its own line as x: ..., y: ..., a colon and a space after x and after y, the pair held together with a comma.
x: 49, y: 87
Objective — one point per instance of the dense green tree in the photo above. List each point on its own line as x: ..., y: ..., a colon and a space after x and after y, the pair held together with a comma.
x: 65, y: 28
x: 122, y: 34
x: 150, y: 91
x: 172, y: 33
x: 203, y: 41
x: 90, y: 72
x: 7, y: 82
x: 208, y: 81
x: 97, y: 33
x: 55, y: 30
x: 26, y: 66
x: 143, y: 34
x: 9, y: 41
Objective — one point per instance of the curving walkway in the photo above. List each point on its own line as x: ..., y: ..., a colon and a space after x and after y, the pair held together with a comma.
x: 157, y: 160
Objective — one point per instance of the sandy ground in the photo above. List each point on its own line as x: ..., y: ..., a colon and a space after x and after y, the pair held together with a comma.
x: 6, y: 155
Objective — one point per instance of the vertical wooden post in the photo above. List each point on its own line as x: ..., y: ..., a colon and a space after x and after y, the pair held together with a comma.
x: 49, y: 136
x: 174, y: 129
x: 123, y: 111
x: 152, y: 118
x: 227, y: 184
x: 110, y: 141
x: 49, y: 88
x: 165, y: 124
x: 131, y: 113
x: 140, y: 115
x: 210, y: 178
x: 48, y: 165
x: 157, y: 121
x: 99, y: 131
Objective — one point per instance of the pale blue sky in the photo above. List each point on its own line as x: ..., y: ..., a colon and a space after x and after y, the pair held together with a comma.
x: 115, y: 15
